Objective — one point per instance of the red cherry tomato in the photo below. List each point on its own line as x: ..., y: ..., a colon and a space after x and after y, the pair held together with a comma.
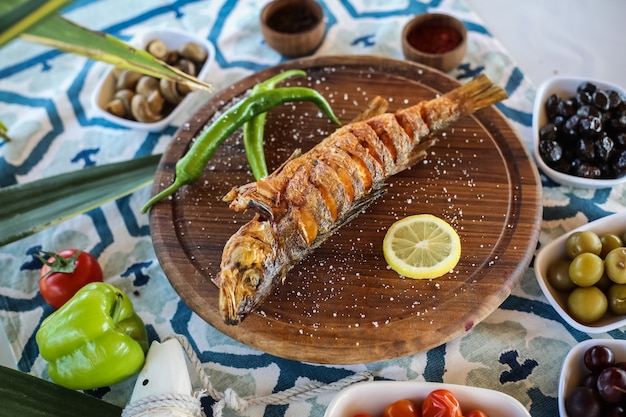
x: 441, y: 403
x: 402, y: 408
x: 66, y: 272
x: 476, y: 413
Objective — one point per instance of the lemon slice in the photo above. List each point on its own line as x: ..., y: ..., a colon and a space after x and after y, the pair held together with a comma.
x: 422, y: 246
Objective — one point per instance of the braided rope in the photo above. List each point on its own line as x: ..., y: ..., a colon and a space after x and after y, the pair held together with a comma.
x: 185, y: 405
x: 229, y: 398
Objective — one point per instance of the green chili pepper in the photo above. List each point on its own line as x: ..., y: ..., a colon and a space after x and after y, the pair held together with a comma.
x: 190, y: 167
x: 94, y: 340
x: 254, y: 130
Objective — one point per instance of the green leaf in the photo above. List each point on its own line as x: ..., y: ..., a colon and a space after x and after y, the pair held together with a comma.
x: 59, y: 33
x: 3, y: 132
x: 15, y: 18
x: 29, y: 208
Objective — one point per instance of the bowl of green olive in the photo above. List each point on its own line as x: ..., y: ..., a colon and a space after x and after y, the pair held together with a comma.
x: 138, y: 101
x: 583, y: 274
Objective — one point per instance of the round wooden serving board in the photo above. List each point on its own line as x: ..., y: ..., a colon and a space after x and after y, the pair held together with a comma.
x: 343, y: 304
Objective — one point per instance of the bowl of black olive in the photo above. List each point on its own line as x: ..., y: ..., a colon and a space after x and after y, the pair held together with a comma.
x: 593, y: 379
x: 579, y: 130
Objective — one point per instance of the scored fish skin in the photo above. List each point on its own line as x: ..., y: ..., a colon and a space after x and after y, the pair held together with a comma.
x: 313, y: 194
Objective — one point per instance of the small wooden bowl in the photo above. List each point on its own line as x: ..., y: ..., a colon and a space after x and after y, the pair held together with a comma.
x: 434, y: 39
x: 293, y: 28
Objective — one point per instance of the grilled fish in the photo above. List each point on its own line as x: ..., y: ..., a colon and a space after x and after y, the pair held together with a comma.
x: 313, y: 194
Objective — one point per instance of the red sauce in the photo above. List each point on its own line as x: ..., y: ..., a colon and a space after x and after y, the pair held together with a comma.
x: 292, y: 18
x: 434, y: 39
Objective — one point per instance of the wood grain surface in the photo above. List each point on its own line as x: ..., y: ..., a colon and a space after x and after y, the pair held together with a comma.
x: 343, y: 304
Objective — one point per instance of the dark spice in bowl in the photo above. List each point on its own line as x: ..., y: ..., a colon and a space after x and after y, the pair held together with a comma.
x: 292, y: 18
x: 435, y: 38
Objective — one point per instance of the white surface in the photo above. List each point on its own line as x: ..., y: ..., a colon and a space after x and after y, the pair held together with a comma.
x: 565, y: 87
x: 574, y: 369
x: 373, y: 397
x: 555, y: 250
x: 560, y: 37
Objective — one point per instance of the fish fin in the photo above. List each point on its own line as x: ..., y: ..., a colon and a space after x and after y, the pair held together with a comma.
x: 377, y: 106
x: 357, y: 207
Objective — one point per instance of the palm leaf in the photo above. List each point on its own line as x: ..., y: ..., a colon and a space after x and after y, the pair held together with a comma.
x: 15, y: 18
x: 29, y: 208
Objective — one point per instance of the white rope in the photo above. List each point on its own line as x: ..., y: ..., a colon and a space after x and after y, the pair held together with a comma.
x: 230, y: 399
x: 185, y: 405
x: 190, y: 405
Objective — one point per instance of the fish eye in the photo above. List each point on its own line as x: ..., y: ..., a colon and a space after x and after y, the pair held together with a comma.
x: 251, y: 278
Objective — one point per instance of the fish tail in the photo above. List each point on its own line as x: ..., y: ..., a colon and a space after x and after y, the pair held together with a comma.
x: 470, y: 97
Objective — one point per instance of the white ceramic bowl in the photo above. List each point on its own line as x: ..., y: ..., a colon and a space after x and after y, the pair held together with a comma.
x: 565, y: 87
x: 172, y: 38
x: 615, y: 223
x: 373, y: 397
x: 574, y: 370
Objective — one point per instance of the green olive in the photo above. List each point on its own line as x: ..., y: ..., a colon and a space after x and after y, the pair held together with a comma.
x: 615, y: 265
x: 616, y: 296
x: 586, y: 269
x: 558, y: 276
x: 605, y: 282
x: 610, y: 241
x: 587, y: 304
x: 581, y: 242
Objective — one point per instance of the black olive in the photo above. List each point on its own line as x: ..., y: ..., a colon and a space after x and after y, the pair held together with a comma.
x: 600, y: 99
x: 587, y: 170
x: 550, y: 151
x: 604, y: 146
x: 614, y: 99
x: 551, y: 106
x: 566, y: 108
x: 618, y: 164
x: 571, y: 125
x: 589, y: 126
x: 585, y: 149
x: 548, y: 132
x: 587, y: 87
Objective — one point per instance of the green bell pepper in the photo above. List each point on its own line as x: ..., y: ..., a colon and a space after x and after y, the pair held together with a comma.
x: 94, y: 340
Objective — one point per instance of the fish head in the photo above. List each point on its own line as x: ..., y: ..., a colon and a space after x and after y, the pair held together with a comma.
x: 245, y: 276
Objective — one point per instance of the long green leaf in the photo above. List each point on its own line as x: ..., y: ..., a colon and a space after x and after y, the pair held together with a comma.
x: 16, y: 17
x: 23, y: 395
x: 29, y: 208
x: 60, y: 33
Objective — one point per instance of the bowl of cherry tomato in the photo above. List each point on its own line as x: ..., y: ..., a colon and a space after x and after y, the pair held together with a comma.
x: 583, y: 274
x: 593, y: 379
x: 422, y: 399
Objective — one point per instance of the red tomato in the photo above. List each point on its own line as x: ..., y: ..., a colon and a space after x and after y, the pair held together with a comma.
x: 66, y: 272
x: 402, y: 408
x: 441, y: 403
x: 362, y: 415
x: 476, y: 413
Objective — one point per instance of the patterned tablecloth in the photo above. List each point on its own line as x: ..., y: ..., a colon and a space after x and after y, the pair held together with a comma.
x: 45, y: 100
